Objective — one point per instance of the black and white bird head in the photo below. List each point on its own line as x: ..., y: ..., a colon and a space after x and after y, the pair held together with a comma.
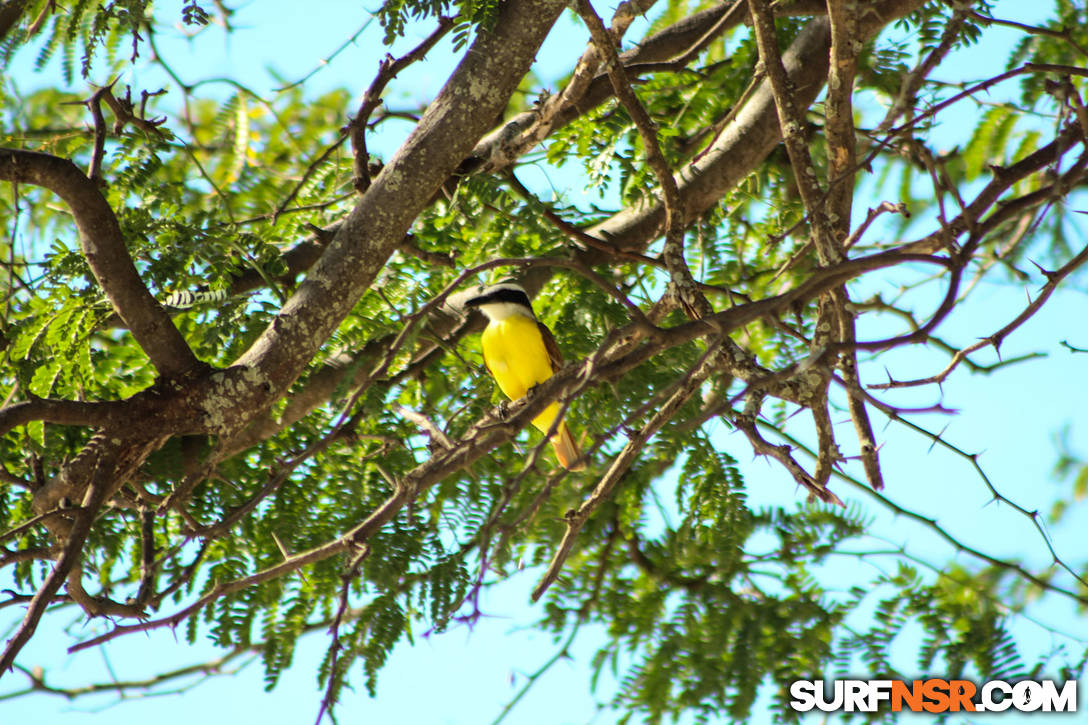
x: 498, y: 301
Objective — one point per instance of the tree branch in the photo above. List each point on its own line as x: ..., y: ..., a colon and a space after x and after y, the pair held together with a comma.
x: 69, y: 558
x: 65, y: 412
x: 491, y: 431
x: 684, y: 285
x: 388, y: 69
x: 685, y: 388
x: 752, y: 134
x: 477, y: 90
x: 10, y: 12
x: 687, y: 36
x: 1053, y: 279
x: 104, y: 248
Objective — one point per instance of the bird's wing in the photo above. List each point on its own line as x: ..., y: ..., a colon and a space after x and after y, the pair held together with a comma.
x: 551, y: 346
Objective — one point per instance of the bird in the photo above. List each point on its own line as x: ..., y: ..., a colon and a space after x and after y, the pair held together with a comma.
x: 521, y: 352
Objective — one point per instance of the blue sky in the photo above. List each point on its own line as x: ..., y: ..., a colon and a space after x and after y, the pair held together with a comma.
x: 1012, y: 417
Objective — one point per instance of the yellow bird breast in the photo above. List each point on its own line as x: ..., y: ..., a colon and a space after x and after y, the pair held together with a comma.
x: 515, y: 354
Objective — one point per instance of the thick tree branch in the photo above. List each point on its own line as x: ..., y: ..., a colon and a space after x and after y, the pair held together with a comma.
x: 688, y: 36
x: 752, y: 134
x: 104, y: 248
x: 504, y: 146
x: 263, y: 392
x: 744, y: 143
x: 839, y: 128
x: 65, y: 412
x: 841, y: 172
x: 478, y: 89
x: 792, y: 120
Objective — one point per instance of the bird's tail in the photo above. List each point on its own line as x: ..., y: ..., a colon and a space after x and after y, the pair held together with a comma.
x: 566, y: 449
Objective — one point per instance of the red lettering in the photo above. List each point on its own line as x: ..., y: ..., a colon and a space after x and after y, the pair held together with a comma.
x: 936, y: 693
x: 961, y: 692
x: 911, y: 696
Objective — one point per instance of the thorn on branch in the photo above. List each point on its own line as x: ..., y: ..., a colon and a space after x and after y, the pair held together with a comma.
x: 746, y: 422
x: 124, y: 114
x: 1001, y: 173
x: 1051, y: 276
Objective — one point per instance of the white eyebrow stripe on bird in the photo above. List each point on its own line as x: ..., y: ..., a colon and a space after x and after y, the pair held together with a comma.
x: 501, y: 293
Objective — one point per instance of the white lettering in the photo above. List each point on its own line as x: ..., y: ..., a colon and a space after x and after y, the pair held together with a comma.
x: 994, y: 696
x: 988, y: 701
x: 836, y: 700
x: 1064, y: 701
x: 1027, y: 696
x: 855, y: 696
x: 803, y: 694
x: 879, y: 691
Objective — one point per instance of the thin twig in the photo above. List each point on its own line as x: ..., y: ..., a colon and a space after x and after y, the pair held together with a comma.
x: 943, y: 533
x: 335, y: 677
x: 560, y: 653
x: 388, y: 69
x: 684, y: 389
x: 1053, y: 280
x: 693, y: 301
x: 69, y: 557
